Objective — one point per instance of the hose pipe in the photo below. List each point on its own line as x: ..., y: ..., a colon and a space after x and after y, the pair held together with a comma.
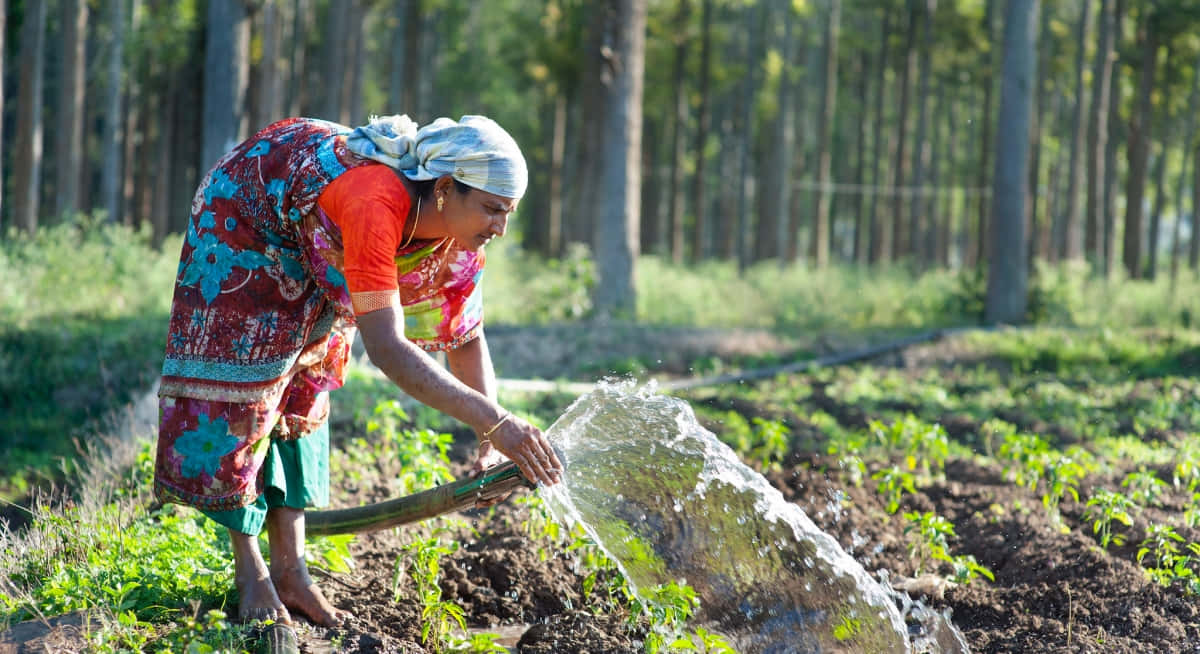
x: 495, y: 482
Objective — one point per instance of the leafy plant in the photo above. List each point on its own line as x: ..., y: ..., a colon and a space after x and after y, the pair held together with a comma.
x: 1105, y: 508
x: 1144, y: 487
x: 893, y: 483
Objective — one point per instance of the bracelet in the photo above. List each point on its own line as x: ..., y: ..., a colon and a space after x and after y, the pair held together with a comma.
x: 496, y: 426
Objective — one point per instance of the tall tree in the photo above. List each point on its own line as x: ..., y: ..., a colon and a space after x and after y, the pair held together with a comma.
x: 3, y: 56
x: 777, y: 174
x: 879, y: 244
x: 1067, y: 235
x: 27, y: 163
x: 68, y: 135
x: 901, y: 238
x: 1140, y: 125
x: 819, y: 249
x: 675, y: 197
x: 755, y: 19
x: 987, y: 63
x: 623, y: 30
x: 1115, y: 134
x: 1097, y: 141
x: 226, y: 71
x: 1008, y: 281
x: 1189, y: 142
x: 918, y: 201
x: 703, y: 121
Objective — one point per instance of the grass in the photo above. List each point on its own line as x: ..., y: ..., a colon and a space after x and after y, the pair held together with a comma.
x: 1111, y: 366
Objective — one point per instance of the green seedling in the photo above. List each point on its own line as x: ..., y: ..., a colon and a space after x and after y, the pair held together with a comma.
x: 1145, y: 487
x: 1105, y: 508
x: 893, y: 483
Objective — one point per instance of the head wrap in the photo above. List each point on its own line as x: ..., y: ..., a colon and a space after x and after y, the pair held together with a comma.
x: 474, y: 150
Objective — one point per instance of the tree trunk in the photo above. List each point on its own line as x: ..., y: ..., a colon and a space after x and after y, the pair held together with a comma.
x: 620, y: 85
x: 946, y: 235
x: 1160, y: 198
x: 931, y: 228
x: 918, y: 200
x: 1007, y: 273
x: 134, y: 135
x: 301, y: 22
x: 819, y: 247
x: 901, y: 238
x: 69, y: 149
x: 225, y: 76
x: 879, y: 245
x: 27, y: 159
x: 1035, y: 143
x: 352, y: 98
x: 861, y: 224
x: 1102, y: 70
x: 336, y: 52
x: 1067, y: 235
x: 985, y: 148
x: 675, y: 198
x: 755, y: 17
x: 269, y: 89
x: 1139, y: 151
x: 1194, y: 240
x: 703, y: 119
x: 3, y: 56
x: 1115, y: 127
x: 776, y: 191
x: 1189, y: 142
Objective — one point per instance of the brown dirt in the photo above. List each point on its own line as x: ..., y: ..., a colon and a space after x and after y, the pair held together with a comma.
x: 1054, y: 591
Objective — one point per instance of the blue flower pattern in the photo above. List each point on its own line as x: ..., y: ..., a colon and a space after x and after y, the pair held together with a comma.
x: 203, y: 447
x: 212, y: 261
x: 220, y: 186
x: 241, y: 346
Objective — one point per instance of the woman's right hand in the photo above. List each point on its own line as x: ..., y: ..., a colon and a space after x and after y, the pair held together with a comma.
x: 528, y: 447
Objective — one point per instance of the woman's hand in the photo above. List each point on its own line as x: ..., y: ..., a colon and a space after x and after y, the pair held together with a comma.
x: 526, y: 446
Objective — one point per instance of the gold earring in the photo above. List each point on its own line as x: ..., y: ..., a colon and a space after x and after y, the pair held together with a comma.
x: 441, y: 202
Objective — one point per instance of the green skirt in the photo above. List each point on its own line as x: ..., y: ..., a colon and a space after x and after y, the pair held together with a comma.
x: 295, y: 475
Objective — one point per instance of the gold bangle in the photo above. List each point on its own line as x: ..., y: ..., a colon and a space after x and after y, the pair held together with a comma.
x: 496, y: 426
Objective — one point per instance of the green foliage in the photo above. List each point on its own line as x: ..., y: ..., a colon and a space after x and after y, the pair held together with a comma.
x: 930, y: 546
x: 893, y: 483
x: 1104, y: 508
x: 1144, y: 487
x: 923, y: 446
x: 81, y: 331
x: 438, y: 616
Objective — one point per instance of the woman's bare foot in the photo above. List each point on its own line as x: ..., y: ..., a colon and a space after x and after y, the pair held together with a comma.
x: 285, y: 528
x: 299, y: 592
x: 257, y: 597
x: 259, y: 601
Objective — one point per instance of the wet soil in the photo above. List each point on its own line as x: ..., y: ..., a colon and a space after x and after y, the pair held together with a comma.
x: 1055, y: 588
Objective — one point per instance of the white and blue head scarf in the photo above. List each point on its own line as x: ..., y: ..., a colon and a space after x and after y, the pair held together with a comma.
x: 474, y: 150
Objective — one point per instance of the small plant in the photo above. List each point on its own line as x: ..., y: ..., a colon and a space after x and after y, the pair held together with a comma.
x: 893, y: 483
x: 1105, y: 508
x: 925, y: 446
x: 438, y: 616
x: 1061, y: 480
x: 1162, y: 544
x: 771, y: 443
x: 933, y: 533
x: 1144, y: 487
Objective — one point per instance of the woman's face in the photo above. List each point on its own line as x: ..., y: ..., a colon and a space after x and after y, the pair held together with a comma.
x: 476, y: 217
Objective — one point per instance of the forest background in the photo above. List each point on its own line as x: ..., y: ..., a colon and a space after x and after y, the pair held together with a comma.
x: 814, y: 164
x: 801, y: 131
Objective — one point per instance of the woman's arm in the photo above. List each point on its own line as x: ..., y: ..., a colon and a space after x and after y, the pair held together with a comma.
x: 414, y: 372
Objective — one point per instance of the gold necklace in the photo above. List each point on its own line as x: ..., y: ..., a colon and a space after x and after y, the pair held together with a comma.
x: 416, y: 217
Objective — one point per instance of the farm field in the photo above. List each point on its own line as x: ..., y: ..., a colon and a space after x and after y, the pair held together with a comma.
x: 1042, y: 485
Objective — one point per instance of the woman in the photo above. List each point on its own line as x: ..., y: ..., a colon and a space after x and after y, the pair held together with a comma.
x: 299, y: 237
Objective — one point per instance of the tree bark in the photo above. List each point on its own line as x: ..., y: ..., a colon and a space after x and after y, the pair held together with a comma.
x: 901, y: 238
x: 624, y: 33
x: 1036, y: 128
x: 3, y: 56
x: 918, y: 220
x: 1007, y: 273
x: 745, y: 186
x: 269, y: 89
x: 1102, y: 70
x: 1160, y: 198
x: 985, y: 148
x: 775, y: 235
x: 27, y: 159
x: 225, y: 76
x: 675, y: 199
x: 1067, y: 235
x: 879, y: 246
x: 703, y: 119
x: 1115, y: 126
x: 861, y: 224
x: 69, y: 149
x: 1189, y: 142
x: 819, y: 247
x: 298, y: 71
x: 1139, y: 151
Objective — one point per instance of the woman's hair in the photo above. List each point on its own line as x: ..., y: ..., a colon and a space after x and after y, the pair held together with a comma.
x: 424, y: 188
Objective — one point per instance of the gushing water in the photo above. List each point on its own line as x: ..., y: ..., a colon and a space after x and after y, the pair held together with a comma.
x: 671, y: 503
